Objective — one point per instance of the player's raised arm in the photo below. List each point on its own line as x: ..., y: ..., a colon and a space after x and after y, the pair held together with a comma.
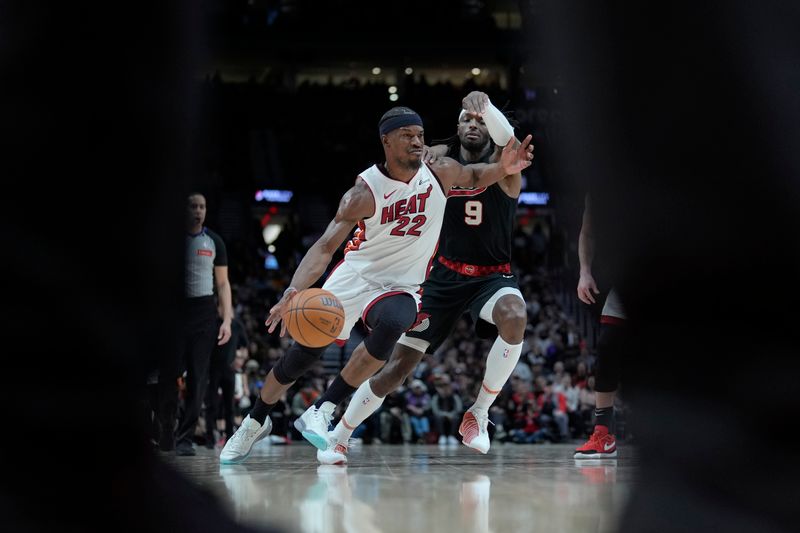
x: 500, y: 130
x: 513, y: 160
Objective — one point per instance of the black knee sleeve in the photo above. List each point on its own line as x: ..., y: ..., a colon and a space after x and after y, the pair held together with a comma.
x: 388, y: 319
x: 296, y: 362
x: 612, y: 347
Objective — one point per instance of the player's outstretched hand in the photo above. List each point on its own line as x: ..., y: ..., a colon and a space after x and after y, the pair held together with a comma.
x: 431, y: 154
x: 516, y: 159
x: 278, y: 310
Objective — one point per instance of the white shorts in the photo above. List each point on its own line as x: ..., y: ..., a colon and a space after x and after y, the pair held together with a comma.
x: 359, y: 295
x: 613, y: 311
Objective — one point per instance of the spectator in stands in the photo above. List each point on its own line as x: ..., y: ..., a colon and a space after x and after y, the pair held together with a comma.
x: 241, y: 398
x: 581, y: 375
x: 447, y: 408
x: 418, y: 405
x: 587, y: 403
x: 528, y: 430
x: 557, y: 376
x: 558, y: 397
x: 395, y: 425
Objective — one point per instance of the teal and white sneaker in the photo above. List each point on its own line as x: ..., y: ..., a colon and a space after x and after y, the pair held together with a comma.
x: 241, y: 443
x: 314, y: 423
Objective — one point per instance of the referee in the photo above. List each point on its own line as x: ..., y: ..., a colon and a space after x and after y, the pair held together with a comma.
x: 206, y: 266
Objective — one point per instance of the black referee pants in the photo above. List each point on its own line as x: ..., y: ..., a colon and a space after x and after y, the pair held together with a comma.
x: 196, y: 342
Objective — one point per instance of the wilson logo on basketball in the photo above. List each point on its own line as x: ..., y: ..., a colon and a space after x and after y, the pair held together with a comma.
x: 314, y: 318
x: 330, y: 302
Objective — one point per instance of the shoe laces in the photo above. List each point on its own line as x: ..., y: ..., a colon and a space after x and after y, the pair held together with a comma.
x: 482, y: 418
x: 325, y: 417
x: 244, y: 432
x: 598, y: 438
x: 351, y: 443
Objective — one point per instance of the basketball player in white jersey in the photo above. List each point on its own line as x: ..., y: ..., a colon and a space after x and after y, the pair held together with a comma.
x: 472, y: 273
x: 398, y: 207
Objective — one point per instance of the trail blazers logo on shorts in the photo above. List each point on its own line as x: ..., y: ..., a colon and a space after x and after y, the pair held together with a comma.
x: 423, y: 322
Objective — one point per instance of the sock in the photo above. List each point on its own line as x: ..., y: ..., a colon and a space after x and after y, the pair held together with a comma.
x: 261, y: 410
x: 500, y: 362
x: 363, y: 404
x: 604, y: 416
x: 336, y: 393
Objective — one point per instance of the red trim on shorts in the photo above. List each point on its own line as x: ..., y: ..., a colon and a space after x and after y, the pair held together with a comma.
x: 376, y: 300
x: 340, y: 342
x: 420, y: 317
x: 612, y: 320
x: 474, y: 271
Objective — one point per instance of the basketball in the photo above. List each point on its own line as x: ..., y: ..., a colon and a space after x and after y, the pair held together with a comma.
x: 315, y: 317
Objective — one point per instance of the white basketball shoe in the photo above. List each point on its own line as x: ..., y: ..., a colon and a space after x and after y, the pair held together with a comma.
x: 241, y: 443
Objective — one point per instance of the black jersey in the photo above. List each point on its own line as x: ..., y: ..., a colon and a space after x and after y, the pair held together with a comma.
x: 477, y: 223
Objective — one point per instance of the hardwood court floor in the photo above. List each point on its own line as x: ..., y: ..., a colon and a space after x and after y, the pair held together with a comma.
x: 418, y: 488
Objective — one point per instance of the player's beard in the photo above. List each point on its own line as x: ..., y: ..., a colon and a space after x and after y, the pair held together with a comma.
x: 476, y: 147
x: 412, y: 164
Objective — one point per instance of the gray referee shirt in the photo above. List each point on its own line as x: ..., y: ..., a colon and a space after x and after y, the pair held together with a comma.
x: 204, y: 251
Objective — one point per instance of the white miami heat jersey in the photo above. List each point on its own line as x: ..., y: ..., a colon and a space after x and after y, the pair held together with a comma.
x: 395, y: 246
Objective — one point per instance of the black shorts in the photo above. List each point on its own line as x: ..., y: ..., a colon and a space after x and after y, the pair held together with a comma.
x: 446, y: 295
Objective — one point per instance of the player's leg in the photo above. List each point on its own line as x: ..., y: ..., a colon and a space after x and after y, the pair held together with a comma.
x: 443, y: 301
x: 298, y: 359
x: 387, y: 317
x: 367, y: 400
x: 441, y: 307
x: 257, y: 424
x: 611, y: 347
x: 505, y: 308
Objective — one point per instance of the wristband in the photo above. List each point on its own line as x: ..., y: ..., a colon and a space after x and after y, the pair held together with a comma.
x: 289, y: 289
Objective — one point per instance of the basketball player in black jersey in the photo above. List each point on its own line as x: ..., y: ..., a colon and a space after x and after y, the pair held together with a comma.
x: 472, y: 273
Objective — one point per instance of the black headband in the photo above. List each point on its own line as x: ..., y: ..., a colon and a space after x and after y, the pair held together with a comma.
x: 398, y: 121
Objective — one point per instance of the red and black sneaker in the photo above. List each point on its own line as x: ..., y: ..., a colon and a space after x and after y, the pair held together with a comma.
x: 600, y: 445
